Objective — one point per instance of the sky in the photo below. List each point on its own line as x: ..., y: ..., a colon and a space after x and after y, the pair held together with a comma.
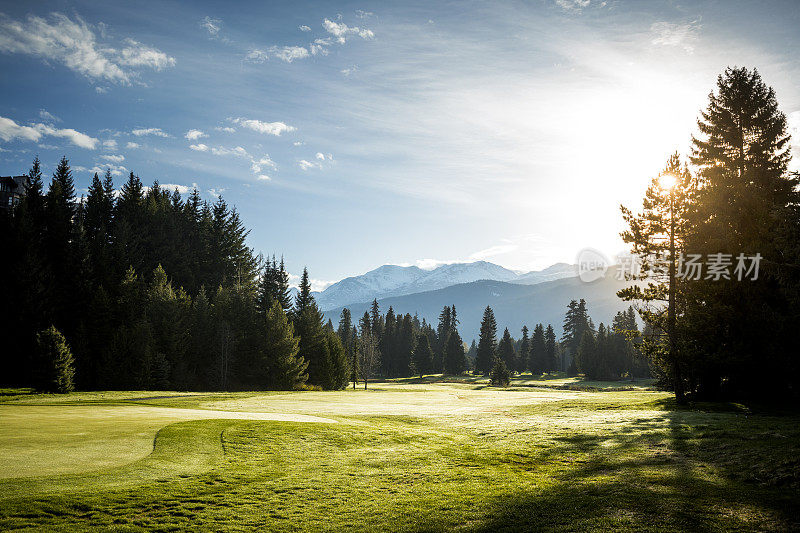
x: 355, y: 134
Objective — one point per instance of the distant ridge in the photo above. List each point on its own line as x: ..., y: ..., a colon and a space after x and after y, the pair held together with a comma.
x: 394, y: 280
x: 514, y: 304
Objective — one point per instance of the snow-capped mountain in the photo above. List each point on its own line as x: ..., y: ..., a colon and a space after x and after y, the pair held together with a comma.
x: 394, y: 280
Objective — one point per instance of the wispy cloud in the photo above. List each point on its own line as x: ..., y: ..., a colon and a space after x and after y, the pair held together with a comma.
x: 157, y: 132
x: 211, y: 25
x: 44, y: 115
x: 681, y: 34
x: 193, y: 135
x: 575, y: 6
x: 113, y: 158
x: 338, y: 32
x: 307, y: 165
x: 289, y: 53
x: 199, y: 147
x: 74, y: 44
x: 269, y: 128
x: 10, y: 130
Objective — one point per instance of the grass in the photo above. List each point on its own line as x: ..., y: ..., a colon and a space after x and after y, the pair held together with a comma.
x: 404, y: 456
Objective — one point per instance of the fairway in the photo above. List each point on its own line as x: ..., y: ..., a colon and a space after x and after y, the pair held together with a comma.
x: 400, y: 456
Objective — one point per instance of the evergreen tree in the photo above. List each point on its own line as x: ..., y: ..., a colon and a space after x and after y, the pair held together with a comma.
x: 506, y: 352
x: 56, y: 370
x: 500, y: 375
x: 455, y: 361
x: 423, y: 357
x: 524, y: 351
x: 487, y: 342
x: 551, y: 357
x: 539, y: 362
x: 740, y: 336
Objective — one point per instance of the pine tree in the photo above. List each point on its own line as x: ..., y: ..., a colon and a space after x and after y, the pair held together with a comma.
x: 506, y: 352
x: 586, y: 356
x: 500, y: 375
x: 56, y: 370
x: 337, y: 369
x: 487, y: 342
x: 539, y: 363
x: 285, y: 369
x: 551, y: 360
x: 740, y: 335
x: 657, y: 234
x: 524, y: 351
x: 422, y: 357
x: 455, y: 361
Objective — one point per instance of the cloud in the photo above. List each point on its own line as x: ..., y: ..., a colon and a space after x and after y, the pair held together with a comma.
x: 193, y: 135
x: 132, y: 145
x: 264, y: 177
x: 226, y: 129
x: 212, y: 26
x: 304, y: 28
x: 317, y: 285
x: 574, y: 6
x: 306, y: 165
x: 135, y: 54
x: 101, y: 90
x: 271, y: 128
x: 341, y: 31
x: 10, y: 130
x: 298, y: 143
x: 360, y: 13
x: 320, y: 156
x: 683, y: 35
x: 289, y: 53
x: 256, y: 56
x: 349, y: 70
x: 74, y: 44
x: 113, y: 158
x: 140, y: 132
x: 200, y: 147
x: 110, y: 144
x: 183, y: 189
x: 258, y: 164
x: 237, y: 151
x: 116, y: 170
x: 47, y: 116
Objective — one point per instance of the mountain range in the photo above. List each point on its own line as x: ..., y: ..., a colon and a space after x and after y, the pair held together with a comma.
x: 514, y: 304
x: 394, y: 280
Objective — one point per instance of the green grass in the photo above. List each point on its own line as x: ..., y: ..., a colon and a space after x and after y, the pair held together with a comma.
x: 402, y: 456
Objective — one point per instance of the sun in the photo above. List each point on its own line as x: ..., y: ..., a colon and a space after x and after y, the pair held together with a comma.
x: 667, y: 181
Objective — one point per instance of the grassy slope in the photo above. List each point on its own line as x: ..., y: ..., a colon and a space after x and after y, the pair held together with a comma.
x: 429, y: 457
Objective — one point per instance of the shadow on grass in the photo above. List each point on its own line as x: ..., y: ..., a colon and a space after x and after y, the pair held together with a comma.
x: 688, y: 470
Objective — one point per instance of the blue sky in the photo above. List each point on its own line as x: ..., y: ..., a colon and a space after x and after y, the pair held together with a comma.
x: 350, y: 135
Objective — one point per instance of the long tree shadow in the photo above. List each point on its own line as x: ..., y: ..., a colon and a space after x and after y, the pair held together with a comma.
x: 686, y: 470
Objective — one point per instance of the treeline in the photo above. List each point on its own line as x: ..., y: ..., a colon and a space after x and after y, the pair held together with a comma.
x: 145, y: 290
x: 405, y: 345
x: 604, y: 353
x: 720, y: 249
